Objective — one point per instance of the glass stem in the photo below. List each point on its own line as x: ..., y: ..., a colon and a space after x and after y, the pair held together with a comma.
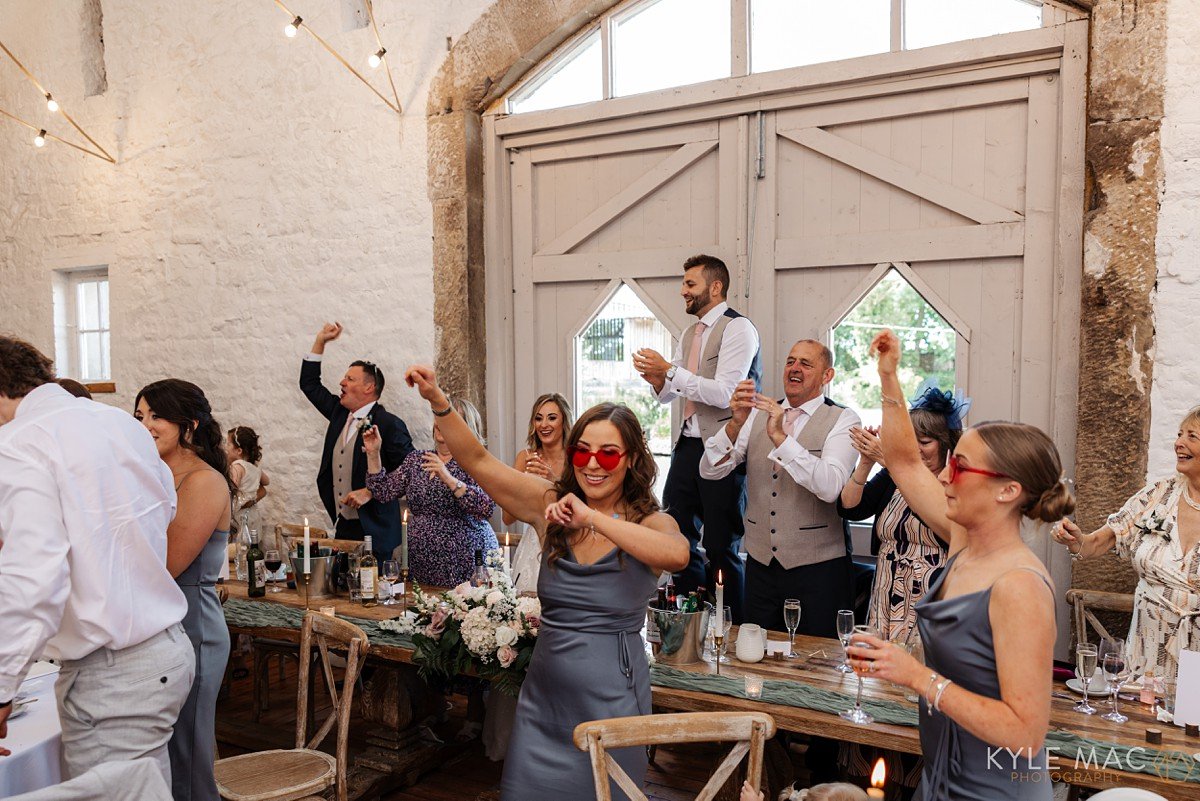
x: 791, y: 642
x: 858, y: 697
x: 1116, y: 690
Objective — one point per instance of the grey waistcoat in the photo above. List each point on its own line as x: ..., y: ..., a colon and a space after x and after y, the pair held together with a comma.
x: 342, y: 463
x: 784, y: 520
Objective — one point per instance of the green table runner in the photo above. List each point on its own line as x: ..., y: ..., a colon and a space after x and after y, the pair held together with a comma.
x: 257, y: 614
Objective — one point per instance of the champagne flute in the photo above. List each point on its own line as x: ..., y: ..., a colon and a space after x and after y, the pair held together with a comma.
x: 845, y: 627
x: 1085, y: 668
x: 1112, y: 662
x: 858, y: 714
x: 391, y: 574
x: 273, y: 561
x: 791, y: 619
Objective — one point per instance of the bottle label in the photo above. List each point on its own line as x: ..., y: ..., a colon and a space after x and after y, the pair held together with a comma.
x: 366, y: 579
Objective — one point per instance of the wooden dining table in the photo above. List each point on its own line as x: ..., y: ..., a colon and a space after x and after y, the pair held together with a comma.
x: 815, y: 666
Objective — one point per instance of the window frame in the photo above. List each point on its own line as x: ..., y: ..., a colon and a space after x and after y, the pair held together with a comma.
x: 70, y: 342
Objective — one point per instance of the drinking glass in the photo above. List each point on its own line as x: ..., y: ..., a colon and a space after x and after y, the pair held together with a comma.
x: 273, y: 561
x: 1116, y: 672
x: 354, y: 585
x: 858, y: 714
x: 726, y: 620
x: 791, y: 619
x: 845, y: 627
x: 391, y: 574
x: 1085, y: 668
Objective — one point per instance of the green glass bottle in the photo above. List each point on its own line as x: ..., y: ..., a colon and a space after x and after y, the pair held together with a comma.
x: 256, y: 570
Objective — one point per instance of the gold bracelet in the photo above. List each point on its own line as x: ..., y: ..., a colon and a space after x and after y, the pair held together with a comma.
x: 889, y: 401
x: 856, y: 481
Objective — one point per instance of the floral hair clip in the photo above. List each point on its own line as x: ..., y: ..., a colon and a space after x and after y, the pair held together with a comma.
x: 953, y: 405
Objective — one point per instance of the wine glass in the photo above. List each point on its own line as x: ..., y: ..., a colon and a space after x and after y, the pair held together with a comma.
x: 858, y: 714
x: 273, y: 562
x: 845, y: 627
x: 1116, y: 672
x: 391, y: 574
x: 1085, y: 668
x: 791, y: 619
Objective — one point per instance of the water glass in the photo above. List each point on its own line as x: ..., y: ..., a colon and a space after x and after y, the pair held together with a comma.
x: 754, y: 685
x: 354, y: 585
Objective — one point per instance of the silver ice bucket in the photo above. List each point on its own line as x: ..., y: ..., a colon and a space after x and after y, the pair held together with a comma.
x: 319, y: 583
x: 681, y: 635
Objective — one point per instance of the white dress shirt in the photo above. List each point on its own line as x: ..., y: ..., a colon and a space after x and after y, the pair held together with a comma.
x: 823, y: 476
x: 738, y: 346
x: 85, y: 502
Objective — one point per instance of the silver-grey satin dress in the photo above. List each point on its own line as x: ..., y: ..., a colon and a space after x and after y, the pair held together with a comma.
x: 589, y: 664
x: 193, y: 745
x: 957, y: 636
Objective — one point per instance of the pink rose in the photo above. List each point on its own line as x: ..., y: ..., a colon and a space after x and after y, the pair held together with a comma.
x: 506, y: 655
x: 533, y: 621
x: 437, y: 623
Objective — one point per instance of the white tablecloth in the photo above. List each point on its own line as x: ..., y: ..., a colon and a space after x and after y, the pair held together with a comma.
x: 34, y: 738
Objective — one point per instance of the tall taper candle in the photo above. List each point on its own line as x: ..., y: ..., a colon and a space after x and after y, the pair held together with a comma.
x: 720, y: 626
x: 404, y: 541
x: 307, y: 549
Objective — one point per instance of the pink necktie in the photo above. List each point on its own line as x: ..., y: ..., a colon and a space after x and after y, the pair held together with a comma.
x: 693, y: 364
x: 790, y: 416
x: 347, y: 432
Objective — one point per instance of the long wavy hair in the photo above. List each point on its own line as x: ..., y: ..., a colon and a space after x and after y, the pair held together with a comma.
x: 564, y: 407
x: 637, y: 490
x: 183, y: 403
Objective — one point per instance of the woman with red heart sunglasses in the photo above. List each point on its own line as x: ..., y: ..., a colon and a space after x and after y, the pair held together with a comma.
x: 605, y: 541
x: 987, y: 622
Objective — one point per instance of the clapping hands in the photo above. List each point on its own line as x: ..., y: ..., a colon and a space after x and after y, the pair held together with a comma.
x: 866, y: 441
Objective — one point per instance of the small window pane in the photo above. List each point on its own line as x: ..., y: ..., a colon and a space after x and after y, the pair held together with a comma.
x: 577, y: 78
x: 670, y: 43
x: 89, y: 314
x: 793, y: 33
x: 104, y: 304
x: 91, y: 361
x: 105, y: 358
x: 934, y: 22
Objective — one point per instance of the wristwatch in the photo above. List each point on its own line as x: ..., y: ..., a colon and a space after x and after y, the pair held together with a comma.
x: 671, y: 372
x: 458, y: 485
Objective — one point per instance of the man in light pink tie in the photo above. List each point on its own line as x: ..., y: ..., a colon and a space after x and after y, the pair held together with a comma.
x: 797, y: 454
x: 715, y: 353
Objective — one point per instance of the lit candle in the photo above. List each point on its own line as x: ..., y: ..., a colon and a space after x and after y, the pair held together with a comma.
x: 307, y: 550
x: 404, y: 541
x: 878, y: 775
x: 507, y: 555
x: 720, y: 627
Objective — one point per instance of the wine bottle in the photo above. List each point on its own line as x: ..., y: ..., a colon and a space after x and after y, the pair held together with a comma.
x: 480, y: 576
x: 661, y: 602
x: 368, y: 574
x: 256, y: 570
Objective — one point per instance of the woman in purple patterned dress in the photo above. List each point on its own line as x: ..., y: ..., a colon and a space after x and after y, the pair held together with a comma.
x: 449, y: 511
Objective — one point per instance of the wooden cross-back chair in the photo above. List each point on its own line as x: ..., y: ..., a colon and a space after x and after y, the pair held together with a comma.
x: 286, y: 775
x: 1084, y: 601
x: 750, y: 730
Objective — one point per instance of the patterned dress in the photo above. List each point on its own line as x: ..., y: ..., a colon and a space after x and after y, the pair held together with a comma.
x: 1166, y: 603
x: 444, y: 531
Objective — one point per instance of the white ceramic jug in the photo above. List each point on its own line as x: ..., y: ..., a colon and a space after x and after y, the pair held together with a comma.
x: 751, y: 643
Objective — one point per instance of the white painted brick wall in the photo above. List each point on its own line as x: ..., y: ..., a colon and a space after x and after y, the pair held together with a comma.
x: 1176, y: 386
x: 261, y: 190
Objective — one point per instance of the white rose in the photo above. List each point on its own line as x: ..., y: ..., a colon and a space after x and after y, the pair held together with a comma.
x: 494, y: 597
x: 505, y: 635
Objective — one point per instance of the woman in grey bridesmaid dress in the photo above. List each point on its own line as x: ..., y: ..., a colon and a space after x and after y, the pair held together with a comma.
x: 987, y: 623
x: 190, y: 442
x: 605, y: 543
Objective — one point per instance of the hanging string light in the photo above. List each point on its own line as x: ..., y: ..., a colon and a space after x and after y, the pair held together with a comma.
x: 53, y: 107
x: 375, y: 59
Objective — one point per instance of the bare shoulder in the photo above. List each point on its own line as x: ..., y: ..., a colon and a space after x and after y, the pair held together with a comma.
x: 1025, y: 584
x: 203, y: 481
x: 661, y: 521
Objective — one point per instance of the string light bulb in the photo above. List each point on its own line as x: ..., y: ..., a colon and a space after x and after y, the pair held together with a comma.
x: 376, y: 58
x: 40, y: 139
x: 51, y: 103
x: 292, y: 28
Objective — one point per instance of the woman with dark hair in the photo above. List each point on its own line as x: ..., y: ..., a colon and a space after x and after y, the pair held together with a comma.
x: 605, y: 541
x: 189, y: 441
x: 909, y: 552
x: 987, y: 623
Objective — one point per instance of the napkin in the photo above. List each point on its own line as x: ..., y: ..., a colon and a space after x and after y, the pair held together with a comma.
x: 1187, y: 694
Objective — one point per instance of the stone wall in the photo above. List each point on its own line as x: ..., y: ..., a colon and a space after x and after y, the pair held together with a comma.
x: 260, y: 190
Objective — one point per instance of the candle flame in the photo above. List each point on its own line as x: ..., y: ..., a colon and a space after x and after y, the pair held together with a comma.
x: 506, y: 539
x: 879, y: 774
x: 306, y: 522
x: 405, y: 520
x: 720, y: 578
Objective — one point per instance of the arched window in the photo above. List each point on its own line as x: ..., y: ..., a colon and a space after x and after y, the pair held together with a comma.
x: 646, y: 45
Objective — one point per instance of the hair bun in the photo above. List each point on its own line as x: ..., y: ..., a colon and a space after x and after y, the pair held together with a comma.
x: 1054, y: 504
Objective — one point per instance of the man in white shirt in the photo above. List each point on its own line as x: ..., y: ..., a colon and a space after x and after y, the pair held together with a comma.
x: 714, y: 354
x: 85, y: 502
x: 798, y: 455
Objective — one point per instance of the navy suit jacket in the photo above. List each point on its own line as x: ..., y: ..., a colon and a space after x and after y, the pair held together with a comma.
x: 380, y: 520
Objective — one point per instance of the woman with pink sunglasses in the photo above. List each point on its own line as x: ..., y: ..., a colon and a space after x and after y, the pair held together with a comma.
x: 987, y: 623
x: 604, y: 543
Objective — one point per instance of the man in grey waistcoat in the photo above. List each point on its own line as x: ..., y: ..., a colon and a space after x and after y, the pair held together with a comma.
x: 716, y: 352
x: 797, y: 455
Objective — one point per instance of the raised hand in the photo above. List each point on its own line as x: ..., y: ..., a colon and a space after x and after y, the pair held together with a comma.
x: 328, y: 333
x: 371, y: 441
x: 743, y: 400
x: 651, y: 365
x: 886, y: 346
x: 866, y: 442
x: 434, y: 467
x: 1066, y: 533
x: 570, y: 512
x: 425, y: 380
x: 535, y: 466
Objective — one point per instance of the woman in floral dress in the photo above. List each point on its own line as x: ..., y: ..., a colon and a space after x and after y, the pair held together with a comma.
x: 450, y: 511
x: 1157, y: 530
